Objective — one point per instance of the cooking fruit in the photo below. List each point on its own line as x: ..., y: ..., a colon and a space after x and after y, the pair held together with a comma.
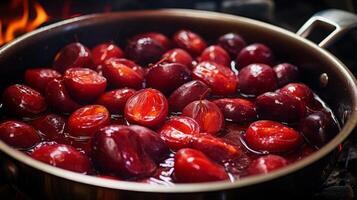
x: 187, y: 93
x: 178, y: 132
x: 144, y: 50
x: 193, y: 166
x: 189, y: 41
x: 286, y: 73
x: 256, y: 79
x: 166, y: 111
x: 318, y: 128
x: 115, y: 100
x: 237, y: 109
x: 85, y: 121
x: 18, y: 134
x: 153, y: 145
x: 63, y: 156
x: 219, y: 78
x: 207, y: 115
x: 84, y: 84
x: 52, y: 126
x: 148, y: 107
x: 215, y: 148
x: 300, y: 91
x: 105, y: 51
x: 178, y: 56
x: 232, y: 43
x: 118, y: 150
x: 160, y: 38
x: 272, y: 137
x: 216, y: 54
x: 121, y: 72
x: 254, y: 53
x: 23, y: 101
x: 166, y: 77
x: 58, y: 98
x: 39, y: 78
x: 266, y: 164
x: 280, y: 106
x: 71, y: 56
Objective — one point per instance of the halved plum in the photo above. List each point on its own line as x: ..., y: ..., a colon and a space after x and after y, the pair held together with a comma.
x: 207, y: 115
x: 85, y: 121
x: 121, y: 72
x: 219, y: 78
x: 272, y: 137
x: 84, y: 84
x: 148, y: 107
x: 178, y: 132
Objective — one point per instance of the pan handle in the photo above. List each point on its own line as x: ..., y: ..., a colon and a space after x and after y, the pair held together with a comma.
x: 342, y: 21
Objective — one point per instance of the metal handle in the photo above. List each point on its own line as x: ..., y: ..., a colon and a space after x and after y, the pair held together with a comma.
x: 342, y: 21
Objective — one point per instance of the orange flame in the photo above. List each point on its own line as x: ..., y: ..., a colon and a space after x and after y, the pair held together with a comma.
x: 22, y: 24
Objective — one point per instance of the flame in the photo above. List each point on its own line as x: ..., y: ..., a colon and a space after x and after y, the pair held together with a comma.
x: 23, y: 23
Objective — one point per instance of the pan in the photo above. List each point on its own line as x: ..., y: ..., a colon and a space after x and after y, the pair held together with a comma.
x: 328, y: 77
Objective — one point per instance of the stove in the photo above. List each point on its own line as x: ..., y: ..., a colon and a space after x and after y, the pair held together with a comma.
x: 342, y: 183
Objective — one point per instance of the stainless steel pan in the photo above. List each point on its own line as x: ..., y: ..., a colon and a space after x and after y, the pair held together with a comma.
x: 328, y: 76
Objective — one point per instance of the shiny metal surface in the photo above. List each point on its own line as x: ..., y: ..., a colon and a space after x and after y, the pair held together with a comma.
x: 38, y: 47
x: 341, y: 20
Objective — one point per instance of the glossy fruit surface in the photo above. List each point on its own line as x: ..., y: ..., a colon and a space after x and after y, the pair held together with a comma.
x: 206, y: 114
x: 38, y: 78
x: 121, y: 72
x: 215, y: 148
x: 166, y: 77
x: 18, y: 134
x: 254, y: 53
x: 144, y: 50
x: 71, y: 56
x: 178, y: 56
x: 256, y: 79
x: 216, y: 54
x: 52, y: 126
x: 219, y: 78
x: 105, y: 51
x: 237, y: 110
x: 85, y: 121
x: 159, y: 37
x: 153, y: 145
x: 318, y: 128
x: 115, y: 100
x: 300, y: 91
x: 192, y: 166
x: 178, y: 132
x: 58, y: 98
x: 84, y: 84
x: 190, y: 41
x: 272, y: 137
x: 23, y: 101
x: 286, y: 73
x: 63, y: 156
x: 118, y: 150
x: 232, y: 43
x: 266, y: 164
x: 187, y: 93
x: 279, y: 106
x: 148, y: 107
